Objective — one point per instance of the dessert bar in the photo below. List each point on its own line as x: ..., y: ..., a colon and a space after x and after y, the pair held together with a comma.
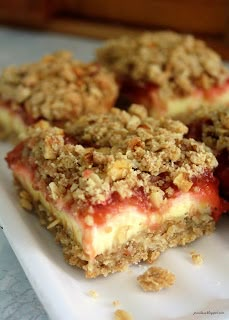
x: 117, y: 188
x: 171, y: 74
x: 57, y: 88
x: 211, y: 126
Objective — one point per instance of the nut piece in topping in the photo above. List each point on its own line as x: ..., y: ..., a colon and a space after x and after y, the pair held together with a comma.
x: 119, y: 169
x: 155, y: 279
x: 197, y: 259
x: 156, y: 196
x: 182, y: 183
x: 122, y: 315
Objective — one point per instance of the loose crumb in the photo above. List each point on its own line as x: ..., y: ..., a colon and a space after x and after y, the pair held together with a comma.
x: 116, y: 303
x: 155, y: 279
x: 196, y: 258
x: 122, y: 315
x: 94, y: 294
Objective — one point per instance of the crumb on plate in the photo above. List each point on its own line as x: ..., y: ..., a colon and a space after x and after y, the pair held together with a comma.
x: 197, y: 259
x: 122, y: 315
x: 155, y: 279
x: 93, y: 294
x: 116, y: 303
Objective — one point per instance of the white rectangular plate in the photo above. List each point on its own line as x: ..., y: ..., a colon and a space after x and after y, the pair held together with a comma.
x: 63, y: 290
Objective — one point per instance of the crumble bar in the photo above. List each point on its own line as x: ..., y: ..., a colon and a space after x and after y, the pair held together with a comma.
x: 155, y: 279
x: 118, y: 188
x: 211, y: 125
x: 170, y: 73
x: 56, y: 88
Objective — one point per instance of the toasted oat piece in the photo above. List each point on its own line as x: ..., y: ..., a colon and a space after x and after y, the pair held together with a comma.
x: 56, y: 88
x: 211, y: 126
x: 171, y: 74
x: 196, y: 258
x: 118, y: 188
x: 122, y: 315
x: 155, y: 279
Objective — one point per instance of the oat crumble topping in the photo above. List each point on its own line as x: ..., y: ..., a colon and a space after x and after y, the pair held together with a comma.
x: 214, y: 126
x: 174, y: 62
x: 58, y: 87
x: 155, y: 279
x: 117, y: 152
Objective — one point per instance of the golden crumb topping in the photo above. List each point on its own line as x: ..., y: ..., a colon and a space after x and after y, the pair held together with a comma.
x: 213, y: 127
x: 117, y: 152
x: 174, y: 62
x: 155, y: 279
x: 58, y: 87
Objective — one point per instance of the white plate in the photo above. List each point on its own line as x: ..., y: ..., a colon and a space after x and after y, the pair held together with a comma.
x: 63, y: 290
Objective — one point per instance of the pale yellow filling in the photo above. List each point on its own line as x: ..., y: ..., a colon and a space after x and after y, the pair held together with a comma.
x: 120, y: 227
x: 176, y: 107
x: 11, y: 123
x: 179, y: 108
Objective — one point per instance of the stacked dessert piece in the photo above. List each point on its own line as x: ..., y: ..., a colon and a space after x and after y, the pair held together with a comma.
x: 57, y: 88
x: 118, y: 188
x: 212, y: 127
x: 171, y: 74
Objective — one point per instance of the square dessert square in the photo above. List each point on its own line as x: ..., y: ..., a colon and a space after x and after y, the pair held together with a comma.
x: 117, y: 188
x: 56, y: 88
x: 211, y: 126
x: 171, y: 74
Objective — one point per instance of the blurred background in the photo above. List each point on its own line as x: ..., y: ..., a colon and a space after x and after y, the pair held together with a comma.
x: 208, y: 19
